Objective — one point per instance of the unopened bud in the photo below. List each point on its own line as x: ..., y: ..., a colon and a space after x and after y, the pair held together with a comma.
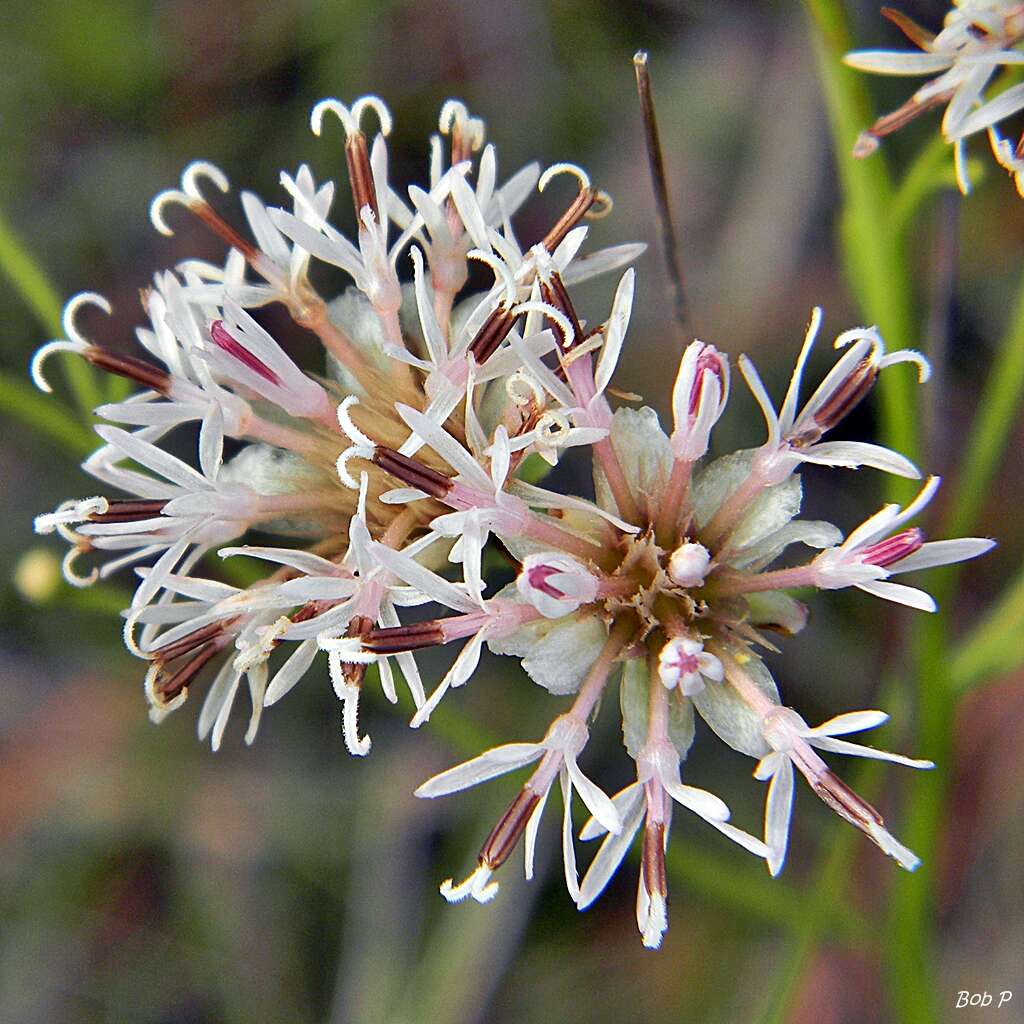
x: 699, y: 396
x: 688, y: 564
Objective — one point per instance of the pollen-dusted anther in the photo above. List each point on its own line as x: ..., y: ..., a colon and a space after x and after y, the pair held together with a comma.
x: 506, y: 833
x: 411, y: 472
x: 494, y: 330
x: 653, y: 859
x: 580, y: 207
x: 167, y: 687
x: 226, y: 342
x: 395, y: 639
x: 895, y: 548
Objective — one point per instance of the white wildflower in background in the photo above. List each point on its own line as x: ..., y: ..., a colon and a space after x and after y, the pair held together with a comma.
x: 978, y: 39
x: 378, y: 480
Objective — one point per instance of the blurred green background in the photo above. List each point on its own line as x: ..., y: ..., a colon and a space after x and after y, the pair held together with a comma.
x: 144, y: 879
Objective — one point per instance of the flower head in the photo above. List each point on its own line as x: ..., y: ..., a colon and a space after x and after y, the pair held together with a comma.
x: 383, y: 478
x: 978, y: 39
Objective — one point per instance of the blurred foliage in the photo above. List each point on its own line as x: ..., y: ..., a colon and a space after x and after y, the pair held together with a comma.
x: 148, y: 880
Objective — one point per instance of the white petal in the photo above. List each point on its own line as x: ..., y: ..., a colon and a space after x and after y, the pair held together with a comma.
x: 572, y: 881
x: 530, y: 838
x: 489, y: 765
x: 700, y: 801
x: 853, y: 454
x: 1005, y: 104
x: 778, y: 808
x: 897, y: 62
x: 851, y: 721
x: 291, y: 671
x: 427, y: 582
x: 598, y: 802
x: 611, y: 853
x: 615, y: 332
x: 859, y: 750
x: 942, y: 552
x: 447, y: 447
x: 900, y: 594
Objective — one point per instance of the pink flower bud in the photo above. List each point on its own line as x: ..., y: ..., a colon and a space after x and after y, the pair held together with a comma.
x: 556, y: 585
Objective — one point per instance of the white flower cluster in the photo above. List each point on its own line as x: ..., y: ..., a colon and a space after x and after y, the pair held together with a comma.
x: 978, y: 39
x: 378, y: 483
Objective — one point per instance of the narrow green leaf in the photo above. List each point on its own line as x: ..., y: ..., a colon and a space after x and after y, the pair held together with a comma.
x: 873, y: 248
x: 44, y: 414
x: 990, y: 650
x: 997, y: 411
x: 35, y: 289
x: 29, y: 280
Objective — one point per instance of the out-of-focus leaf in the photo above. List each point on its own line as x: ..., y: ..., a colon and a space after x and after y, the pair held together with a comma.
x: 992, y: 648
x: 45, y: 415
x: 874, y: 252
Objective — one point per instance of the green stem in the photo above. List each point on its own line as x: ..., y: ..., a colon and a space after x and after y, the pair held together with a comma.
x: 873, y: 247
x: 997, y: 412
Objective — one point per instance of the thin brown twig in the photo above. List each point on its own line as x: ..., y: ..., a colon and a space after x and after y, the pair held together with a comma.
x: 659, y: 183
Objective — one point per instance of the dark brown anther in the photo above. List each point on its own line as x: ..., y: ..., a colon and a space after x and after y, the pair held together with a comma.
x: 495, y: 330
x: 902, y: 115
x: 577, y: 210
x: 411, y: 472
x: 361, y: 626
x: 187, y: 644
x: 129, y: 511
x: 395, y: 639
x: 850, y: 393
x: 504, y: 836
x: 556, y: 294
x: 137, y: 370
x: 653, y: 859
x: 170, y: 686
x: 462, y: 147
x: 918, y: 35
x: 845, y: 802
x: 360, y: 173
x: 220, y: 227
x: 310, y: 610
